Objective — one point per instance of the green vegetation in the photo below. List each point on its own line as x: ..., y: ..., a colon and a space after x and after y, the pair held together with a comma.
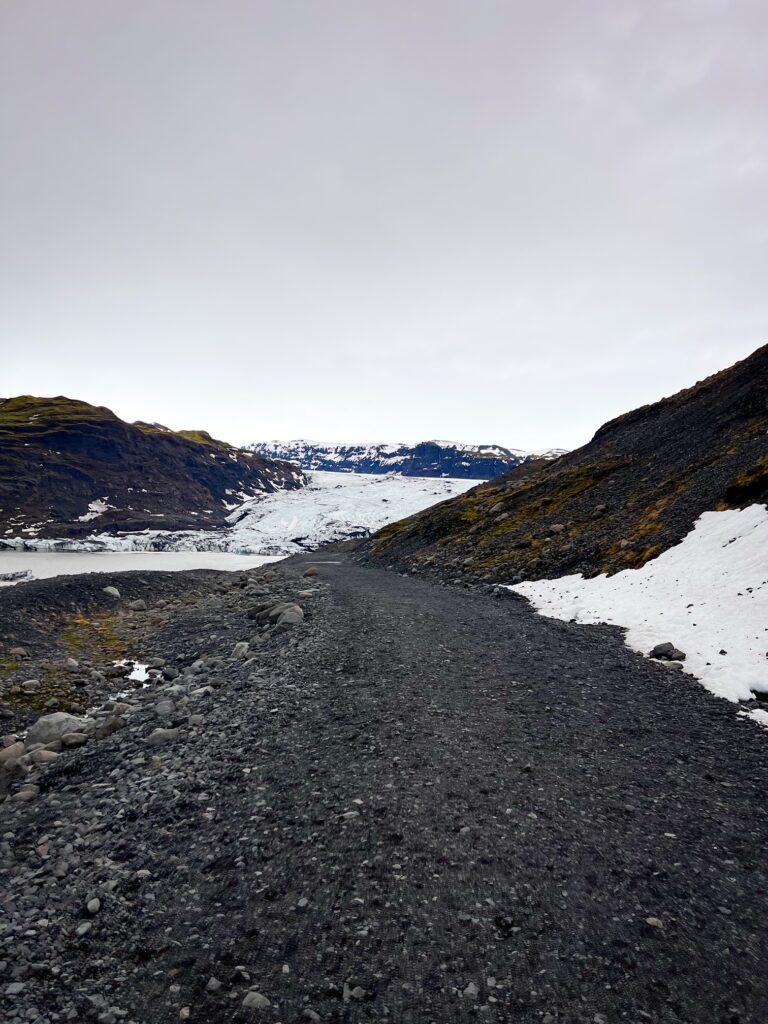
x: 27, y: 418
x: 94, y: 638
x: 200, y: 437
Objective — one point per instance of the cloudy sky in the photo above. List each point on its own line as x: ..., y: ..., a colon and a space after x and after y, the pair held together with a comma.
x: 487, y: 220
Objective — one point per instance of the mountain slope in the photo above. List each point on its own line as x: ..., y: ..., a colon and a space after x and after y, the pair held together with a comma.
x: 632, y: 492
x: 428, y: 458
x: 70, y: 468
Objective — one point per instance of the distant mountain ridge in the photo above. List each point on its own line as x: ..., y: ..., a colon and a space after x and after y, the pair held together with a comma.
x: 68, y: 468
x: 428, y: 458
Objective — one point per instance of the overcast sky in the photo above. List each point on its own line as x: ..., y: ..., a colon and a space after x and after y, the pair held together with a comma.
x: 482, y: 220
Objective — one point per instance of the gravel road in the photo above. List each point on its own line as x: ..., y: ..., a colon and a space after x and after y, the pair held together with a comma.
x: 422, y: 804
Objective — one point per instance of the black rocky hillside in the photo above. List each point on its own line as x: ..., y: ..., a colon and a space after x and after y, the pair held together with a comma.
x: 635, y: 490
x: 68, y: 468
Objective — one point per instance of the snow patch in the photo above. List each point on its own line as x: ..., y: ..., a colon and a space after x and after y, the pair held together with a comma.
x: 95, y: 509
x: 707, y: 595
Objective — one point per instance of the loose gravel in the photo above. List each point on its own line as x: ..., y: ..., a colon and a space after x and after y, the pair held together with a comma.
x: 409, y: 803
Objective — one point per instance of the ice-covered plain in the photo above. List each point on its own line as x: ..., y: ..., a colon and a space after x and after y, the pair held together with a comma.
x: 26, y: 565
x: 707, y: 595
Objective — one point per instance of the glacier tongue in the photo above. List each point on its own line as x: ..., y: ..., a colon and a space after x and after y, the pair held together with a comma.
x: 333, y: 507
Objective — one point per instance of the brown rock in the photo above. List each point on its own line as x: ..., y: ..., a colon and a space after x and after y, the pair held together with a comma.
x: 43, y: 756
x: 11, y: 752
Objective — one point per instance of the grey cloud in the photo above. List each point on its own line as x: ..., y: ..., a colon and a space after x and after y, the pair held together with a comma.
x: 494, y: 221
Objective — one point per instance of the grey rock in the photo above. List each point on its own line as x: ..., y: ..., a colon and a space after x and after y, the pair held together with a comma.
x: 667, y: 652
x: 274, y: 613
x: 24, y: 796
x: 53, y: 727
x: 160, y: 736
x: 70, y: 740
x: 139, y: 605
x: 12, y: 752
x: 291, y: 617
x: 240, y: 650
x: 352, y: 992
x: 111, y: 725
x: 93, y: 906
x: 43, y: 756
x: 255, y: 1001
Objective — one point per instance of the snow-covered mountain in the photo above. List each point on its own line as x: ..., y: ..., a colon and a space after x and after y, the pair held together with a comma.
x: 428, y: 458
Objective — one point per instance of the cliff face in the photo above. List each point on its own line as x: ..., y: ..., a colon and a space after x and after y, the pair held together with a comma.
x: 68, y: 468
x: 633, y: 491
x: 429, y: 458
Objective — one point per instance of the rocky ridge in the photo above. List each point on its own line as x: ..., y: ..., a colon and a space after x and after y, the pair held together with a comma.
x: 70, y: 469
x: 635, y: 490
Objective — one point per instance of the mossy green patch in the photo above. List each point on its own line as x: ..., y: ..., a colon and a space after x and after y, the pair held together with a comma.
x: 95, y: 637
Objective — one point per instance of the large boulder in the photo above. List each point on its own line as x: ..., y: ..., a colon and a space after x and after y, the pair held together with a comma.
x: 279, y: 610
x: 667, y: 652
x: 53, y: 727
x: 291, y: 616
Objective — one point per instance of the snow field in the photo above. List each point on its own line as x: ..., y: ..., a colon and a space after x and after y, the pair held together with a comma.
x: 708, y: 595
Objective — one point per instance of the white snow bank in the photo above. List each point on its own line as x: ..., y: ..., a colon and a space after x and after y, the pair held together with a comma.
x: 707, y: 595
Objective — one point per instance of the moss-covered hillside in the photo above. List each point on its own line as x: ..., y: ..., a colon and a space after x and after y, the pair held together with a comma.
x: 68, y: 468
x: 633, y: 491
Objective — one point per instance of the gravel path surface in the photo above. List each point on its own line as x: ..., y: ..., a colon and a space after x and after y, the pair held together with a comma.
x: 420, y: 804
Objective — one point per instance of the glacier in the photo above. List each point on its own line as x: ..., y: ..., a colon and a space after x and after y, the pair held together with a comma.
x: 332, y: 507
